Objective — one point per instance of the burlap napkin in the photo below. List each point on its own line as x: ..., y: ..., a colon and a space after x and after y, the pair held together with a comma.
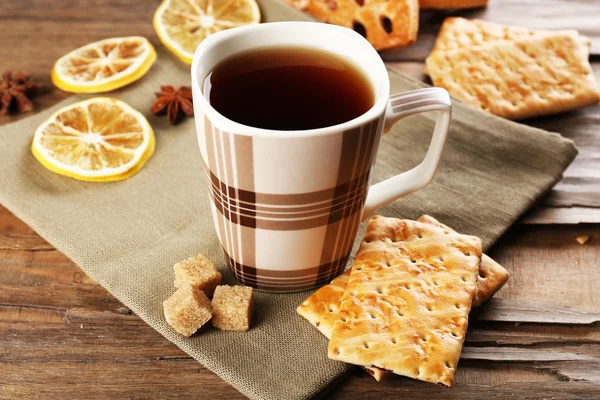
x: 127, y: 235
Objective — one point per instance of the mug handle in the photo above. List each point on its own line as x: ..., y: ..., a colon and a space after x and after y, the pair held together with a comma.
x: 400, y: 106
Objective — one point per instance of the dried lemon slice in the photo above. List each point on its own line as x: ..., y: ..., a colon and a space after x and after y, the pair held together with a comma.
x: 105, y: 65
x: 97, y: 140
x: 182, y: 24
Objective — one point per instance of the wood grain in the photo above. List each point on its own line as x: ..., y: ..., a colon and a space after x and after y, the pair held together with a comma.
x: 533, y: 311
x: 63, y: 336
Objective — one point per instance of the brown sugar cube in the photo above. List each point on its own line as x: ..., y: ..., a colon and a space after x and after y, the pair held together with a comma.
x: 199, y: 272
x: 187, y: 310
x: 232, y: 308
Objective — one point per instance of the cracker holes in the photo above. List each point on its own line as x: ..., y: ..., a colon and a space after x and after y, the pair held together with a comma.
x: 463, y: 278
x: 379, y: 290
x: 388, y: 263
x: 386, y: 23
x: 468, y: 254
x: 441, y: 258
x: 373, y: 316
x: 394, y: 340
x: 429, y: 307
x: 482, y: 274
x: 344, y: 319
x: 458, y: 306
x: 366, y: 345
x: 336, y: 351
x: 418, y: 371
x: 358, y: 27
x: 435, y: 282
x: 400, y: 313
x: 330, y: 308
x: 454, y: 334
x: 448, y: 365
x: 424, y: 338
x: 412, y: 260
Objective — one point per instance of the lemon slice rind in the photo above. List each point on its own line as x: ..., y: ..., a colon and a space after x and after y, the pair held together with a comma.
x: 141, y: 154
x: 132, y: 73
x: 174, y: 46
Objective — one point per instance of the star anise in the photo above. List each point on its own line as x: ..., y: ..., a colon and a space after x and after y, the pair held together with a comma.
x: 16, y: 92
x: 176, y: 103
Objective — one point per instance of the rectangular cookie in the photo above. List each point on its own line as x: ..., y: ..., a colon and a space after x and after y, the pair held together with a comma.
x: 406, y: 306
x: 320, y: 309
x: 457, y: 33
x: 519, y: 79
x: 492, y: 276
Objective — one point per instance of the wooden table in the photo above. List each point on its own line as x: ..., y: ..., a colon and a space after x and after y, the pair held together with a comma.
x: 64, y: 336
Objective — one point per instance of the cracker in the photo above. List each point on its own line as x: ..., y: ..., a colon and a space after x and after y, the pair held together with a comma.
x: 385, y: 23
x: 407, y: 303
x: 321, y: 309
x: 519, y: 79
x: 492, y: 276
x: 452, y: 4
x: 457, y: 33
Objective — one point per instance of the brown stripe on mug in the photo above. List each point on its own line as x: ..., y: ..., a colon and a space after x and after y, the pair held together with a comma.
x: 350, y: 143
x: 348, y: 218
x: 288, y: 278
x: 364, y: 169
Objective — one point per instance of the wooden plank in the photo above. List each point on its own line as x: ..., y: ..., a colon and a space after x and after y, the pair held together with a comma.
x: 64, y: 336
x: 562, y: 215
x: 515, y: 354
x: 533, y: 311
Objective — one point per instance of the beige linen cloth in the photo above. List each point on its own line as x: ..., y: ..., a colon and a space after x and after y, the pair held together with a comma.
x: 127, y: 235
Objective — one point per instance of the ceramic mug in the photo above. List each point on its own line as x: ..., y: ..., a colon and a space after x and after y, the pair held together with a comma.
x: 287, y: 204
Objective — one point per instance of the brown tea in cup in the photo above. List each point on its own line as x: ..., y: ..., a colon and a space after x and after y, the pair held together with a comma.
x: 292, y: 88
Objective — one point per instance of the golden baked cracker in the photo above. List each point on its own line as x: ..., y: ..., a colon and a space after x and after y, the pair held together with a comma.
x: 385, y: 23
x: 407, y: 303
x: 452, y: 4
x: 492, y: 276
x: 539, y: 75
x: 320, y: 309
x: 457, y: 33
